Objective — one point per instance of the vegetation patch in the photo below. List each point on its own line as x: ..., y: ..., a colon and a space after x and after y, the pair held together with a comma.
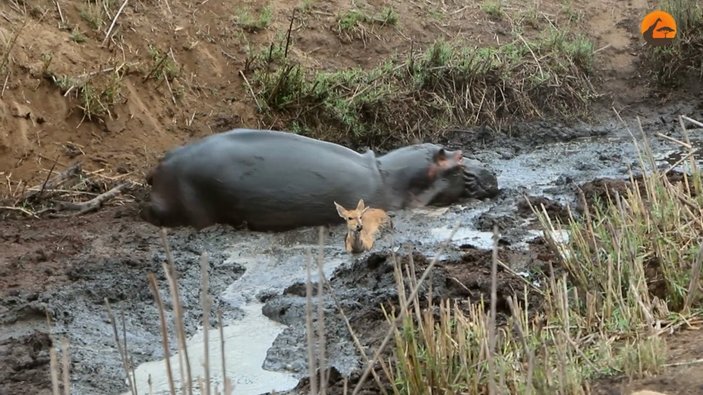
x: 673, y: 65
x: 632, y: 273
x: 422, y: 93
x: 355, y: 23
x: 493, y: 8
x: 77, y: 36
x: 164, y: 69
x: 97, y: 12
x: 96, y: 93
x: 254, y: 22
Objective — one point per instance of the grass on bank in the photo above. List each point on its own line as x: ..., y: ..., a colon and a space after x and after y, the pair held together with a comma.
x: 673, y: 65
x: 420, y: 93
x: 96, y: 13
x: 251, y: 21
x: 632, y: 272
x: 96, y: 94
x: 354, y: 23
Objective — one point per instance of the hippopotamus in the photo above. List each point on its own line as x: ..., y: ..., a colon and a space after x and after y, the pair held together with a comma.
x: 267, y: 180
x: 475, y: 181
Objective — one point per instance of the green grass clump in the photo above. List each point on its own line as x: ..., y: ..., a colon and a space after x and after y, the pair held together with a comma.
x: 357, y: 24
x: 632, y: 272
x: 77, y: 36
x: 354, y: 18
x: 254, y: 23
x: 493, y: 8
x: 96, y: 12
x: 96, y: 93
x: 162, y: 65
x: 448, y: 84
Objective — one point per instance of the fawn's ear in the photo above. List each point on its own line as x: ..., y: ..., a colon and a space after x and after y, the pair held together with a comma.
x: 360, y: 205
x: 364, y: 210
x: 340, y: 210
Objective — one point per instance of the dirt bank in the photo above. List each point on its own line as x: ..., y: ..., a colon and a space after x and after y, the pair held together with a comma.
x: 141, y: 103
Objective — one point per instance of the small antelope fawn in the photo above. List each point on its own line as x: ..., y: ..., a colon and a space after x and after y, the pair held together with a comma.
x: 363, y: 223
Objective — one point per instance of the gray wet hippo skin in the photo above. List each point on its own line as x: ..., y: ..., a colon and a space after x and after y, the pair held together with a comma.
x: 475, y: 181
x: 275, y: 181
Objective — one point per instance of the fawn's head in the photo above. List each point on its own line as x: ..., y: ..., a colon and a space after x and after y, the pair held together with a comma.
x: 353, y: 217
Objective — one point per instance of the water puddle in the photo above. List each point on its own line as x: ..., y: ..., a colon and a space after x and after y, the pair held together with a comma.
x: 464, y: 237
x: 246, y: 343
x: 248, y: 339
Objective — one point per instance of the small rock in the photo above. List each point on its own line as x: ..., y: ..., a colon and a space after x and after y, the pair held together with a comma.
x: 114, y: 125
x: 21, y: 111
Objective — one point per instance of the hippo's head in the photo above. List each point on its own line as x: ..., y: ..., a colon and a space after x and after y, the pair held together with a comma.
x: 474, y: 181
x: 479, y: 182
x: 153, y: 212
x: 164, y: 205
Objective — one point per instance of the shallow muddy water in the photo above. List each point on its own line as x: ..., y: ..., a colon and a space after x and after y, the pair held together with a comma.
x: 544, y: 171
x: 257, y: 279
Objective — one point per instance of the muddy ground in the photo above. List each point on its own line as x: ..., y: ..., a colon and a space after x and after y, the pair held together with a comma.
x: 67, y: 268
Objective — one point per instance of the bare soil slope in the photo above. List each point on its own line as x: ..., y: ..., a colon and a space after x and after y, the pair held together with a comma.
x: 59, y: 62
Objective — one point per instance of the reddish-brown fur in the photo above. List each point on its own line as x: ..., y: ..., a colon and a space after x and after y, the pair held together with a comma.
x: 363, y: 224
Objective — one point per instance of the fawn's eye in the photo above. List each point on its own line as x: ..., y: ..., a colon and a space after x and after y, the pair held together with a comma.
x: 350, y: 218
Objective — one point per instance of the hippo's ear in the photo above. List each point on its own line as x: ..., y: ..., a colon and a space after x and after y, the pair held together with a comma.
x: 340, y: 210
x: 440, y: 155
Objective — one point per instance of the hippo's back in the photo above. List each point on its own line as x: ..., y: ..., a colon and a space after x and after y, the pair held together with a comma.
x: 273, y: 180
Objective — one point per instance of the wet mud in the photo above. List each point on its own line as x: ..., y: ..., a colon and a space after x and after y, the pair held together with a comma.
x: 66, y: 270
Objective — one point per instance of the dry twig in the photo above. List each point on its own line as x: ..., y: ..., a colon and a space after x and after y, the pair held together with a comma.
x: 492, y: 390
x: 93, y: 203
x: 20, y: 209
x: 122, y: 351
x: 403, y: 308
x: 58, y: 7
x: 164, y: 330
x: 114, y: 20
x: 169, y: 268
x: 246, y: 81
x: 54, y: 183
